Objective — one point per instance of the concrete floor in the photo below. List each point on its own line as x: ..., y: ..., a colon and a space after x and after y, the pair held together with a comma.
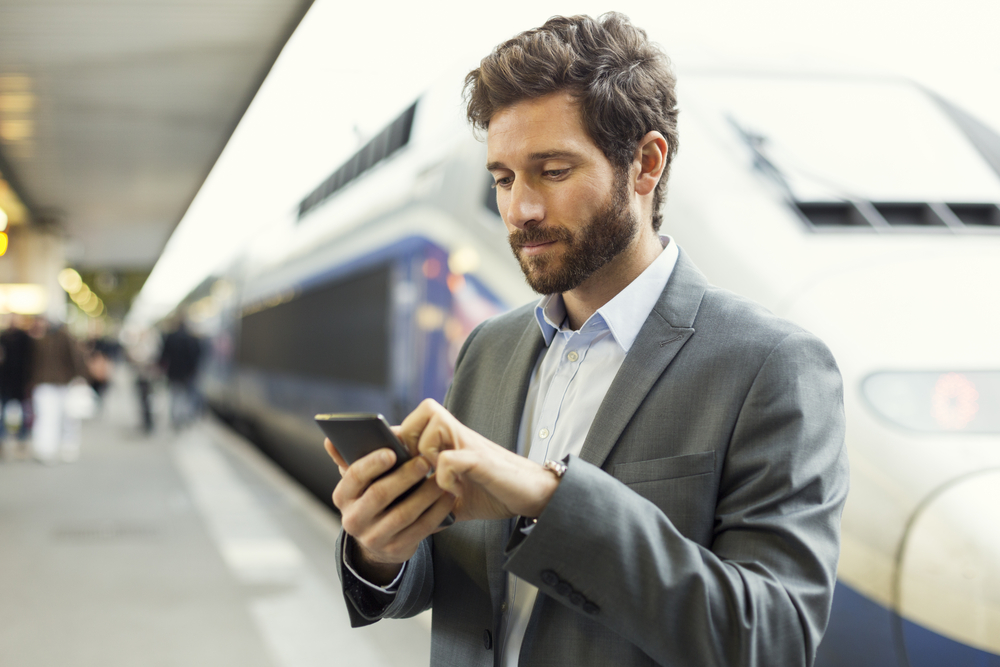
x: 183, y: 549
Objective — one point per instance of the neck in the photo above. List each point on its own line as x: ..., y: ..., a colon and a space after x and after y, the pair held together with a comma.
x: 605, y: 283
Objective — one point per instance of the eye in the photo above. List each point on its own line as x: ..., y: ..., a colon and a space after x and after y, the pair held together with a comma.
x: 555, y: 173
x: 502, y: 182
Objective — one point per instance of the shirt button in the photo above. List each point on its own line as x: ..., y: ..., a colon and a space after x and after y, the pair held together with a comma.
x: 544, y: 433
x: 572, y: 356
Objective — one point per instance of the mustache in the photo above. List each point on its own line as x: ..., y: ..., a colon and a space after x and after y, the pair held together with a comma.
x: 535, y: 235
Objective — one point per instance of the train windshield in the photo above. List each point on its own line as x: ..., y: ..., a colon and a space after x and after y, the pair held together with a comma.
x: 885, y: 144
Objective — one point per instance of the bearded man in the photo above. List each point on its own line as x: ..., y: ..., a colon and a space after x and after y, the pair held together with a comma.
x: 645, y: 469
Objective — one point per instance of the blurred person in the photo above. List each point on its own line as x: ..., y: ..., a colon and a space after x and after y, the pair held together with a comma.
x: 645, y: 469
x: 100, y: 355
x: 143, y: 353
x: 179, y: 359
x: 16, y: 358
x: 58, y: 361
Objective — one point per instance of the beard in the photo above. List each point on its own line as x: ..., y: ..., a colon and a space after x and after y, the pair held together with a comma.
x: 605, y: 236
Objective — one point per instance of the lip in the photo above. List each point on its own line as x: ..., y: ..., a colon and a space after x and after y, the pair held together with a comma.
x: 536, y: 248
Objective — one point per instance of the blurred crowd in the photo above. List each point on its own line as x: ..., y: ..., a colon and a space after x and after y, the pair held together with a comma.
x: 50, y: 382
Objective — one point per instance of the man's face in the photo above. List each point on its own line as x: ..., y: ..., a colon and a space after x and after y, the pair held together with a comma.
x: 567, y: 210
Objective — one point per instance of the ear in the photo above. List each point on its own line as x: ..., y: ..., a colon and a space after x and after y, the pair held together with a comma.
x: 651, y: 157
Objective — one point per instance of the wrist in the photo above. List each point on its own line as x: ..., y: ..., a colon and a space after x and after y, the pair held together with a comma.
x: 552, y: 472
x: 365, y: 564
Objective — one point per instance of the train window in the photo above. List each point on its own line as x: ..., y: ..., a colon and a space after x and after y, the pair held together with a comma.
x: 338, y: 331
x: 384, y: 144
x: 977, y: 214
x: 908, y: 214
x: 941, y: 402
x: 831, y: 214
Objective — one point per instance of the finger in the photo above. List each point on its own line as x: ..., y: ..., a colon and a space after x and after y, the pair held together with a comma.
x: 415, y: 423
x: 452, y: 466
x: 386, y: 490
x: 335, y: 455
x: 389, y: 531
x: 440, y: 434
x: 429, y: 521
x: 357, y: 477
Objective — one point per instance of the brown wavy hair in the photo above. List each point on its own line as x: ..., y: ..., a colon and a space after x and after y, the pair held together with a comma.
x: 624, y: 83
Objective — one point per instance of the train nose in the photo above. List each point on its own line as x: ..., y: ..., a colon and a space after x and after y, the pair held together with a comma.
x: 948, y: 575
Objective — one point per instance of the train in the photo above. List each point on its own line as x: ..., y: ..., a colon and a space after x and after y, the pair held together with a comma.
x: 866, y: 209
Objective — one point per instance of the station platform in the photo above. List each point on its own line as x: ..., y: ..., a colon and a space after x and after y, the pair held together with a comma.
x: 189, y: 549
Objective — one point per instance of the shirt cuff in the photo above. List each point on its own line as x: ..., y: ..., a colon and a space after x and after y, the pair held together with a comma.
x: 391, y: 587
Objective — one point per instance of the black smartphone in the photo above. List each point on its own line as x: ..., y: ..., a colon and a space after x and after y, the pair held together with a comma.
x: 357, y: 434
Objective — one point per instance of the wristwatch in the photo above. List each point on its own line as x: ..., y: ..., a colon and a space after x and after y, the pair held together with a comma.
x: 557, y: 468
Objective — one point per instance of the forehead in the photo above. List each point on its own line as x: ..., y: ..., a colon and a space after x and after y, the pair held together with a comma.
x: 552, y: 123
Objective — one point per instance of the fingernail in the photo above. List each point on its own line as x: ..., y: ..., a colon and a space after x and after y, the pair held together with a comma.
x: 423, y: 465
x: 386, y: 457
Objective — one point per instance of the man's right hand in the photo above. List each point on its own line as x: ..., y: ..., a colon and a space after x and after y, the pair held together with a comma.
x: 386, y: 537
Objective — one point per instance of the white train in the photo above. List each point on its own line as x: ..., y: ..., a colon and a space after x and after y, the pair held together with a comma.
x: 864, y: 209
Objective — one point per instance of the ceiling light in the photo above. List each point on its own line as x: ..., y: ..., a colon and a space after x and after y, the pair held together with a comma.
x: 70, y: 280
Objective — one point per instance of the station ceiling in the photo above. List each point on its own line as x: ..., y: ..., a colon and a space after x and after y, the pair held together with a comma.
x: 112, y: 112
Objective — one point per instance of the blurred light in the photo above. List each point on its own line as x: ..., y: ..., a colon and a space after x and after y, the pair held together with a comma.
x: 17, y: 130
x: 16, y: 103
x: 463, y: 260
x: 3, y: 244
x: 432, y: 268
x: 70, y: 280
x: 430, y: 317
x: 81, y: 295
x: 24, y: 299
x: 955, y: 402
x: 91, y: 304
x: 455, y: 282
x: 968, y: 402
x: 3, y: 220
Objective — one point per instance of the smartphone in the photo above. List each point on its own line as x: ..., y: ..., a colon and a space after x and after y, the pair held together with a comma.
x: 356, y: 434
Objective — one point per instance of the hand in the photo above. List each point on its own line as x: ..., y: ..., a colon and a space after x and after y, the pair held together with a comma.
x: 386, y: 537
x: 488, y: 481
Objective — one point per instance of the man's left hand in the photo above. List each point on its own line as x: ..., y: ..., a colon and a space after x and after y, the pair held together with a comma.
x: 488, y: 481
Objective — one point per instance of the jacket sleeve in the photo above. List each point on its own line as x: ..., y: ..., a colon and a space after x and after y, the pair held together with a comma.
x: 760, y: 593
x: 366, y: 605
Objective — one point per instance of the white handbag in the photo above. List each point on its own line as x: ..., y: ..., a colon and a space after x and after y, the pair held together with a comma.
x: 81, y: 401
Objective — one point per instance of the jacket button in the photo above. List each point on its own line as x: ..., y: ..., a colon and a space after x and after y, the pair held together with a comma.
x: 550, y: 578
x: 487, y: 640
x: 563, y: 589
x: 577, y: 598
x: 591, y: 608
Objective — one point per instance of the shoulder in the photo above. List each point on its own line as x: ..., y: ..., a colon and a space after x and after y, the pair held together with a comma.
x: 737, y: 330
x: 507, y: 326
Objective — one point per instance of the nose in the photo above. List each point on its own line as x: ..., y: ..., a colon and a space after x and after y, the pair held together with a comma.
x: 524, y: 205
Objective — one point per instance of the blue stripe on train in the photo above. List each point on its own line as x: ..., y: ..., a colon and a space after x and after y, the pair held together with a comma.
x: 861, y: 635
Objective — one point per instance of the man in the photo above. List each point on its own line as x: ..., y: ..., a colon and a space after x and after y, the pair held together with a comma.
x: 180, y: 355
x: 645, y: 469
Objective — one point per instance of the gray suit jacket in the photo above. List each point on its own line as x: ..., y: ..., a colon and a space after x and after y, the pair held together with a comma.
x: 700, y: 524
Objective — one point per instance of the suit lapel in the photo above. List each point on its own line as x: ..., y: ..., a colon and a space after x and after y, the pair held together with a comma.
x: 666, y: 330
x: 513, y: 386
x: 506, y: 422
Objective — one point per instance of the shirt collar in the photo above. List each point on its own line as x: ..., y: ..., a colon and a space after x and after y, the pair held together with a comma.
x: 627, y: 311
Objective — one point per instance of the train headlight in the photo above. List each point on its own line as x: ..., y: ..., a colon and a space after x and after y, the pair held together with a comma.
x: 949, y: 402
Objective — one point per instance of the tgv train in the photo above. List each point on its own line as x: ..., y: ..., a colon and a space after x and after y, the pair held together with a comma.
x: 864, y: 209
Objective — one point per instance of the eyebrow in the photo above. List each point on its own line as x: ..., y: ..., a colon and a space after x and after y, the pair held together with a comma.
x: 538, y: 157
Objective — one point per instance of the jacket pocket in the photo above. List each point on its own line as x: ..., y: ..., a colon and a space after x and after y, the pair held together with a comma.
x: 671, y: 467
